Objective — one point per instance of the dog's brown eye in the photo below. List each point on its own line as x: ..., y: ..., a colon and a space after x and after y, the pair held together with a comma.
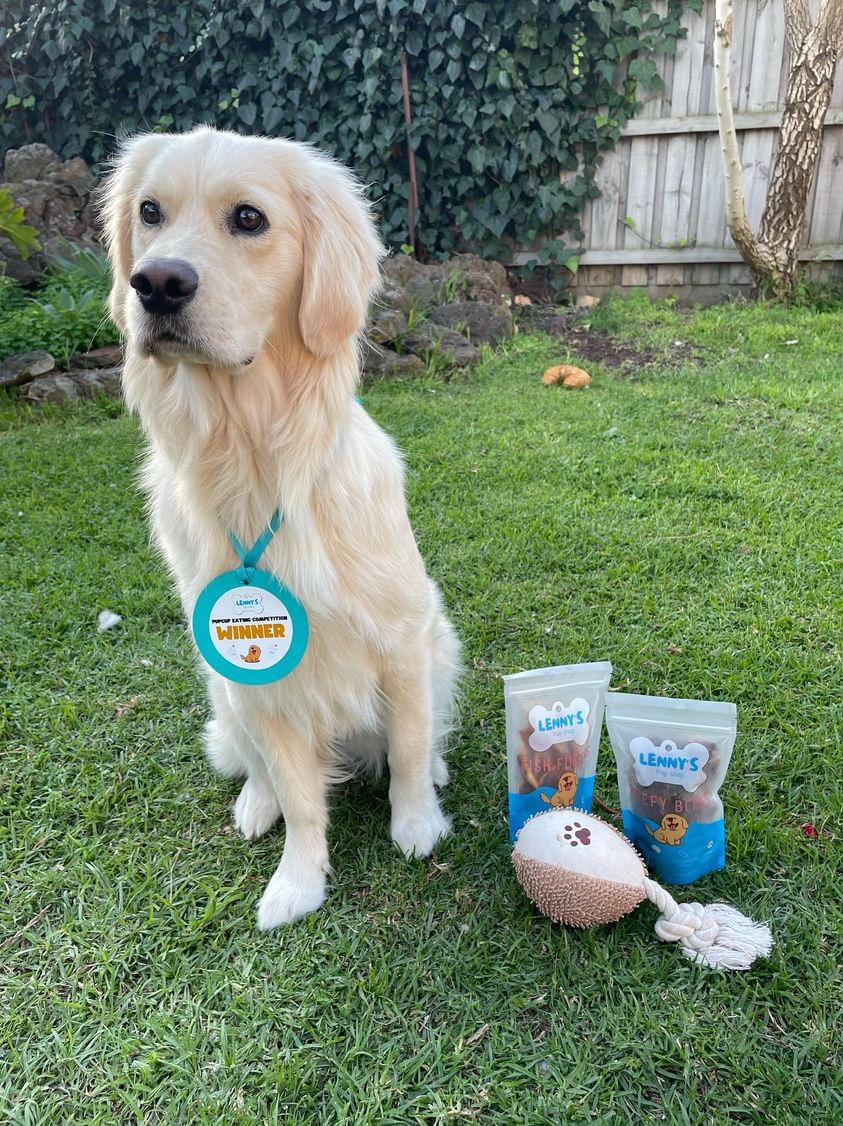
x: 249, y: 219
x: 150, y: 212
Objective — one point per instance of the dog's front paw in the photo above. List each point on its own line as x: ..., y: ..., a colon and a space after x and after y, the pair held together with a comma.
x: 416, y: 831
x: 256, y: 809
x: 286, y: 899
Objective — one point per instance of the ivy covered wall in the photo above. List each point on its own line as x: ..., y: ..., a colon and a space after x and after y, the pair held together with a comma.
x: 506, y: 94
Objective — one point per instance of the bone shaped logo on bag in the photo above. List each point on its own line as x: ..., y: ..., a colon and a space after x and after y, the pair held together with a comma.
x: 560, y: 724
x: 667, y: 762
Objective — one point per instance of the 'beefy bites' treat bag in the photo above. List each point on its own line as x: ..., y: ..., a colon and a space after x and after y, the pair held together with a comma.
x: 672, y: 757
x: 553, y: 722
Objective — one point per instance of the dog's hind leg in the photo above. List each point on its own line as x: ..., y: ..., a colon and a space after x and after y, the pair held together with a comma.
x: 417, y: 820
x: 445, y: 650
x: 225, y: 740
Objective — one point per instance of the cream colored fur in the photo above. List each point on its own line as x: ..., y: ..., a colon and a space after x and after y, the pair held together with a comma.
x: 229, y: 441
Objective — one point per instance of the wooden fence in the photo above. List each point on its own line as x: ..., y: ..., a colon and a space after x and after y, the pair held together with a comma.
x: 660, y: 220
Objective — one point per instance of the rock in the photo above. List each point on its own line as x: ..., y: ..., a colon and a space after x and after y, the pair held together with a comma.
x: 91, y: 382
x: 88, y: 383
x: 57, y: 199
x: 476, y: 279
x: 25, y: 366
x: 587, y: 301
x: 386, y: 325
x: 66, y: 386
x: 57, y: 388
x: 481, y: 322
x: 568, y: 375
x: 30, y: 162
x: 410, y: 284
x: 107, y: 357
x: 428, y: 337
x: 76, y: 173
x: 380, y: 363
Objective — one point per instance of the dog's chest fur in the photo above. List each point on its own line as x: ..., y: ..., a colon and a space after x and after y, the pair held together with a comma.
x: 344, y: 546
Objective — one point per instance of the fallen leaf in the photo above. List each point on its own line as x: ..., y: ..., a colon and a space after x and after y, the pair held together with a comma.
x: 674, y: 648
x: 810, y: 829
x: 478, y: 1035
x: 125, y: 708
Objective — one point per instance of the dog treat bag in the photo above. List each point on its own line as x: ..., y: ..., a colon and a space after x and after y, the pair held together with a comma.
x: 672, y: 757
x: 553, y: 722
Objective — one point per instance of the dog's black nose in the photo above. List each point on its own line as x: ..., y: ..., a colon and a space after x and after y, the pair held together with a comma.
x: 164, y: 285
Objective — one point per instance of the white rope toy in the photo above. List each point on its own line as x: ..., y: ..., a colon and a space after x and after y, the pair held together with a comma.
x: 581, y: 871
x: 717, y: 935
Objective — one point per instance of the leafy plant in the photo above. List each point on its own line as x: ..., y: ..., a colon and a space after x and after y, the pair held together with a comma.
x: 66, y: 316
x: 451, y: 289
x: 89, y: 261
x: 513, y: 101
x: 13, y: 226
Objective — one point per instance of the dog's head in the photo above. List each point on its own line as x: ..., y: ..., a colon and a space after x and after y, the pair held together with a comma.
x: 674, y: 823
x: 218, y: 242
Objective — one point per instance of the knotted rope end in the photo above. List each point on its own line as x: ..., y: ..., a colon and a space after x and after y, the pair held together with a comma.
x: 718, y: 936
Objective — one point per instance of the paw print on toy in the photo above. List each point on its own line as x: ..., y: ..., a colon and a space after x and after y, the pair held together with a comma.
x: 575, y: 834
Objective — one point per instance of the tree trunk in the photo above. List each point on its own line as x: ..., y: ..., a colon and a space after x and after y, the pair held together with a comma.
x: 773, y: 254
x: 736, y: 220
x: 809, y: 85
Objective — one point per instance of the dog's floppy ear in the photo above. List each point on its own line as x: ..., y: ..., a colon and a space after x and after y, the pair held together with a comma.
x: 115, y: 207
x: 341, y: 260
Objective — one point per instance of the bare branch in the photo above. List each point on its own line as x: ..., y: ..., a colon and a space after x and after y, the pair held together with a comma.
x: 797, y: 22
x: 830, y: 25
x: 733, y: 172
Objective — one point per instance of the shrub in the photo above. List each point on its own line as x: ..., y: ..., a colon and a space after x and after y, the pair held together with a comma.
x: 66, y: 316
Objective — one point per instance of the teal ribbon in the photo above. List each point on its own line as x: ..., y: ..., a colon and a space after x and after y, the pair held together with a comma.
x: 249, y: 557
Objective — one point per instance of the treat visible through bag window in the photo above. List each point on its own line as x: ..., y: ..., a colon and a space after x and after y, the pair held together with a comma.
x: 672, y: 756
x: 553, y: 722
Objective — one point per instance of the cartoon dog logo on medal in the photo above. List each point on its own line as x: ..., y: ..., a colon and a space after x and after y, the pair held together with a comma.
x: 253, y: 656
x: 671, y: 831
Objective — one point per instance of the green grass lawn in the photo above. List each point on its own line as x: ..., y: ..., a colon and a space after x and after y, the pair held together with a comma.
x: 680, y: 519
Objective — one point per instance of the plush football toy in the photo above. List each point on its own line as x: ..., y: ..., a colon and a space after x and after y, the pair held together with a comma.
x: 579, y: 870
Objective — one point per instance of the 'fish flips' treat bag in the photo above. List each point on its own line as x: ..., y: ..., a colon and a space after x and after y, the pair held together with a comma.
x: 553, y: 722
x: 672, y: 757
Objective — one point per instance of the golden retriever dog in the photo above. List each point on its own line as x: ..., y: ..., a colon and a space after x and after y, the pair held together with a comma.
x: 243, y: 270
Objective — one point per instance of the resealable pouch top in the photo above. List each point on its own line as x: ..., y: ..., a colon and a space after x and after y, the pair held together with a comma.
x: 553, y: 721
x: 672, y: 757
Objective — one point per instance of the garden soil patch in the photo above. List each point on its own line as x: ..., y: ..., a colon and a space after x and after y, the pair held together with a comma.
x: 573, y: 329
